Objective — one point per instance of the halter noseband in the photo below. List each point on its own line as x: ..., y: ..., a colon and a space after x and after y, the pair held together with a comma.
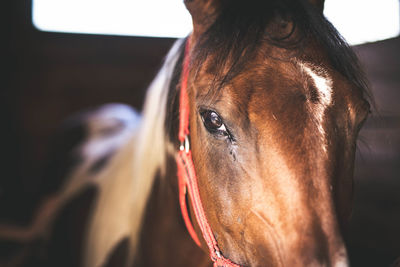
x: 187, y: 180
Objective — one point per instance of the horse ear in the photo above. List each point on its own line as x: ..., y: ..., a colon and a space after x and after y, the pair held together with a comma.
x: 319, y: 4
x: 203, y: 14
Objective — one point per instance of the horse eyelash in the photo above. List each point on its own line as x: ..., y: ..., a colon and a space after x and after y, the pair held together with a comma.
x: 231, y: 138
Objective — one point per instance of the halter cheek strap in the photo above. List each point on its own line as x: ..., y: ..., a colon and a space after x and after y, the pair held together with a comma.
x: 187, y: 179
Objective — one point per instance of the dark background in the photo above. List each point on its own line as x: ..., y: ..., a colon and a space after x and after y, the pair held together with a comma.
x: 47, y: 77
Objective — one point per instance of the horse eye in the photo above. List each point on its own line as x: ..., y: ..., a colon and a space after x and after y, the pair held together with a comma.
x: 213, y: 122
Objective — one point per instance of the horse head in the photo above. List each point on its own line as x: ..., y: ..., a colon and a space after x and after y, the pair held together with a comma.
x: 276, y: 103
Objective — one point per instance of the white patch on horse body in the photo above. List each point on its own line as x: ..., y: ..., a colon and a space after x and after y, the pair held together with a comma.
x: 151, y: 143
x: 111, y: 127
x: 108, y: 128
x: 323, y: 83
x: 129, y: 177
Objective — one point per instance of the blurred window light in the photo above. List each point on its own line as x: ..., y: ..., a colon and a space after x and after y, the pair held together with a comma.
x: 359, y: 21
x: 362, y: 21
x: 158, y: 18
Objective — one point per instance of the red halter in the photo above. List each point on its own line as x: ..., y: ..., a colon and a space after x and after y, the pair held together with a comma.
x: 187, y: 179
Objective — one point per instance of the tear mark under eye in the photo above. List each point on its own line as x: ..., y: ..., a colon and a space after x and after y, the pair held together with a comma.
x: 233, y: 154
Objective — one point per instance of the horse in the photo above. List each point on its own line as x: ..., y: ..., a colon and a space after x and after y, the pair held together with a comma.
x: 243, y: 155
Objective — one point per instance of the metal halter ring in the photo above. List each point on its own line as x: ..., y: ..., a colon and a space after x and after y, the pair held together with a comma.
x: 185, y: 145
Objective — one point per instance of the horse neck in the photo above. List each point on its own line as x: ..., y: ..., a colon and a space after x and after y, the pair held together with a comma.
x: 164, y: 238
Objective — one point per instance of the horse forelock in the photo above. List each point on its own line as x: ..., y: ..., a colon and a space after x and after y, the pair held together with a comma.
x: 239, y: 30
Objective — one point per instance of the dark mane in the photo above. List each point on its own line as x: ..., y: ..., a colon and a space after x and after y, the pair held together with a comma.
x: 172, y: 112
x: 241, y: 26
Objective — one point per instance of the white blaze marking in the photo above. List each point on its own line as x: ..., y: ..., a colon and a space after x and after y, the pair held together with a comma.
x: 323, y: 84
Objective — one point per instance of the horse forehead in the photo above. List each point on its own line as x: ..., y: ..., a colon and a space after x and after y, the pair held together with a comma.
x: 289, y: 86
x: 289, y: 98
x: 264, y: 88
